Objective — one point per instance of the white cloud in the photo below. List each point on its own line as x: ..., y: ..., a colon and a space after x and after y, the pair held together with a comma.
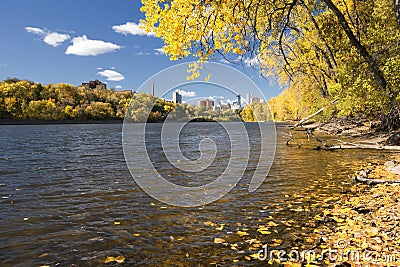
x: 159, y: 51
x: 51, y: 38
x: 252, y: 62
x: 99, y: 68
x: 131, y: 28
x: 55, y: 39
x: 118, y: 87
x: 111, y: 75
x: 216, y: 97
x: 142, y: 54
x: 82, y: 46
x: 186, y: 93
x: 35, y: 30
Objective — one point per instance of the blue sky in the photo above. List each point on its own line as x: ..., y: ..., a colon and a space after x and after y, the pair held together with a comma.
x: 73, y: 41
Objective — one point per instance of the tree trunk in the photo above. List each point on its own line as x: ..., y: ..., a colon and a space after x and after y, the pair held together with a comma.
x: 372, y: 64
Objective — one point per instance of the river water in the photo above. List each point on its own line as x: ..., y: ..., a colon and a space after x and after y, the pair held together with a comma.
x: 67, y: 199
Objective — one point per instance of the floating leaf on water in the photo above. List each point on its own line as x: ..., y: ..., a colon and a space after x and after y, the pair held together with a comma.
x: 187, y: 255
x: 242, y: 233
x: 109, y: 259
x: 247, y: 258
x: 218, y: 240
x: 235, y: 261
x: 120, y: 259
x: 209, y: 223
x: 254, y: 256
x: 25, y: 219
x: 272, y: 224
x: 117, y: 223
x: 220, y: 227
x: 265, y: 232
x: 136, y: 235
x: 180, y: 238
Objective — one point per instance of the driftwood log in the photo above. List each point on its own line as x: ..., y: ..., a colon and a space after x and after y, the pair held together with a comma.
x: 348, y: 145
x: 375, y: 181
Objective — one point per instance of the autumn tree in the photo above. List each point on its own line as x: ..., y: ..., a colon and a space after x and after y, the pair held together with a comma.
x: 345, y: 49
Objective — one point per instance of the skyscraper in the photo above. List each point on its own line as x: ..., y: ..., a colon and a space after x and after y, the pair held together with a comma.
x: 177, y: 97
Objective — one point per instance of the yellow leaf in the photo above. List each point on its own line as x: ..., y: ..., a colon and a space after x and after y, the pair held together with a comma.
x: 272, y: 224
x: 136, y: 235
x: 117, y: 223
x: 209, y: 223
x: 120, y: 259
x: 109, y: 259
x: 220, y: 228
x: 339, y: 220
x: 25, y: 219
x: 218, y: 240
x: 187, y: 255
x: 254, y: 256
x: 180, y: 238
x: 345, y: 210
x: 247, y: 258
x: 265, y: 232
x: 235, y: 261
x: 241, y: 233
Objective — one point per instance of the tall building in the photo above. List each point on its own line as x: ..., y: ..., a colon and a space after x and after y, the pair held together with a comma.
x: 239, y: 100
x: 207, y: 103
x: 256, y: 100
x: 177, y: 97
x: 249, y: 96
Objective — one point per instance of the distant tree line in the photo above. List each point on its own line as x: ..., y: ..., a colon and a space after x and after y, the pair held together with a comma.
x: 27, y: 100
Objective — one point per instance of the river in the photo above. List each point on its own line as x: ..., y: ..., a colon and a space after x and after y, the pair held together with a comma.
x: 67, y: 199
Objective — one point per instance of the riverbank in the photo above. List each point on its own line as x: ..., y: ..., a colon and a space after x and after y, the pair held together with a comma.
x: 361, y: 229
x: 360, y: 130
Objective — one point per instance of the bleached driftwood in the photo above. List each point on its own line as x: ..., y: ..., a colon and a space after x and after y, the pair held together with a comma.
x: 348, y: 145
x: 375, y: 181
